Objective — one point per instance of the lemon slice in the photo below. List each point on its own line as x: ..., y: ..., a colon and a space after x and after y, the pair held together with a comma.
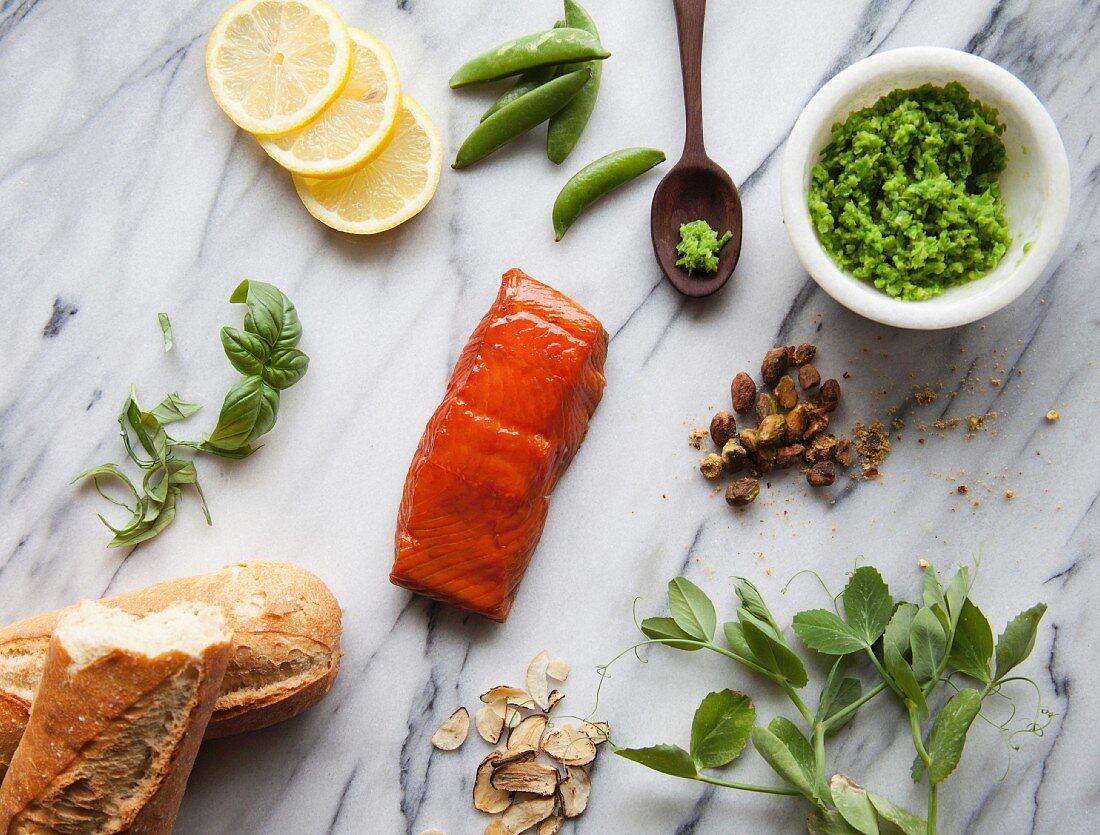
x: 273, y: 65
x: 385, y: 192
x: 357, y: 125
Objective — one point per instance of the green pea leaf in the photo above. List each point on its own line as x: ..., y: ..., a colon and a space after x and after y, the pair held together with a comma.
x: 973, y: 645
x: 905, y: 682
x: 826, y: 632
x: 285, y: 367
x: 867, y: 604
x: 667, y: 759
x: 166, y: 331
x: 854, y: 805
x: 776, y: 753
x: 770, y: 653
x: 691, y: 609
x: 271, y: 315
x: 735, y: 637
x: 897, y: 630
x: 668, y: 633
x: 956, y: 593
x: 247, y: 352
x: 929, y: 643
x: 934, y: 598
x: 828, y: 822
x: 173, y: 409
x: 908, y: 823
x: 1018, y: 640
x: 752, y: 600
x: 838, y: 693
x: 948, y: 736
x: 721, y: 728
x: 788, y: 733
x: 249, y: 411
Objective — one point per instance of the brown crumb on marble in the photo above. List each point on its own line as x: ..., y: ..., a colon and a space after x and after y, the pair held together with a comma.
x: 696, y: 438
x: 1053, y: 416
x: 924, y: 394
x: 1010, y: 494
x: 873, y: 446
x: 945, y: 424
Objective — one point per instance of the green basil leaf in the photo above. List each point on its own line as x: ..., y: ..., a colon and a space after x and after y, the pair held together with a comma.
x: 721, y: 728
x: 165, y: 331
x: 668, y: 633
x: 247, y: 352
x: 752, y: 600
x: 779, y: 757
x: 173, y: 409
x: 838, y: 693
x: 787, y: 732
x: 667, y: 759
x: 233, y: 454
x: 973, y: 645
x: 945, y: 743
x: 148, y: 529
x: 691, y: 609
x: 867, y: 604
x: 113, y: 471
x: 735, y: 637
x: 908, y: 823
x: 828, y: 823
x: 929, y: 643
x: 271, y: 315
x: 1018, y: 640
x: 771, y: 654
x: 285, y: 367
x: 826, y: 632
x: 897, y: 630
x: 249, y: 411
x: 854, y: 805
x: 905, y: 682
x: 146, y: 428
x: 184, y: 472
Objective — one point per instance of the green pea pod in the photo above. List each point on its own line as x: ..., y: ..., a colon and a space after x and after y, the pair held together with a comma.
x: 530, y: 80
x: 567, y: 125
x: 598, y: 178
x: 520, y: 116
x: 542, y: 49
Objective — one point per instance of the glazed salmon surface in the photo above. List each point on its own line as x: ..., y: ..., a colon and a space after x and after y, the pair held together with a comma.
x: 514, y: 413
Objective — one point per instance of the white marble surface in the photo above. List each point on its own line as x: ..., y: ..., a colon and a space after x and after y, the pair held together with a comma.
x: 125, y: 191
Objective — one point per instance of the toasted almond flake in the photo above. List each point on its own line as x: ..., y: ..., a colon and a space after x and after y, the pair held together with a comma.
x: 487, y: 798
x: 536, y: 678
x: 528, y: 733
x: 489, y: 723
x: 568, y: 745
x: 530, y: 777
x: 596, y: 731
x: 551, y: 826
x: 515, y: 755
x: 452, y: 733
x: 496, y: 827
x: 510, y: 695
x: 554, y: 697
x: 526, y: 811
x: 574, y: 791
x: 558, y: 670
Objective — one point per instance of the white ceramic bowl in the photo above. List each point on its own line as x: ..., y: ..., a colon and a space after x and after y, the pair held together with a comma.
x: 1034, y: 184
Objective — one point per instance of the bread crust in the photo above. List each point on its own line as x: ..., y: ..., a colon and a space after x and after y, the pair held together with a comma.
x: 78, y: 710
x: 277, y: 611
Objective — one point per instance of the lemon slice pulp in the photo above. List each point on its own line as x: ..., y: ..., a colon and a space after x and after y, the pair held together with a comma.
x: 356, y: 127
x: 273, y: 65
x: 385, y: 192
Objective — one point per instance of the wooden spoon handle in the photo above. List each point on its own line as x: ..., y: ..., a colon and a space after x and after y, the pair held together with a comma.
x: 689, y: 27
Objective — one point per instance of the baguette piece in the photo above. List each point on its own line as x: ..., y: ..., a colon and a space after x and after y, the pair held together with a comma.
x: 284, y: 658
x: 117, y: 721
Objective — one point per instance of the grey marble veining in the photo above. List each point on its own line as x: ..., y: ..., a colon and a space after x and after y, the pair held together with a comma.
x: 125, y: 191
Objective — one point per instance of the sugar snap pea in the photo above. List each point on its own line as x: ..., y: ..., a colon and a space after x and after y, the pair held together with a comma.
x: 542, y: 49
x: 598, y: 178
x: 519, y: 117
x: 530, y: 80
x: 567, y: 125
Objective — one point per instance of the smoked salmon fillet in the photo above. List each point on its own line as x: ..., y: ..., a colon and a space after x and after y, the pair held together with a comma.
x: 514, y: 413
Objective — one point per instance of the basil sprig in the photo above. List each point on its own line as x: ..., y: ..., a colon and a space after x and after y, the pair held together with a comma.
x: 266, y: 352
x: 912, y: 648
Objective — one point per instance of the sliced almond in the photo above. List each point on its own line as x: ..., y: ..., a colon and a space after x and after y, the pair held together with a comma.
x: 551, y: 826
x: 452, y: 733
x: 536, y: 678
x: 530, y: 777
x: 568, y: 745
x: 528, y: 733
x: 574, y: 791
x: 596, y: 731
x: 526, y: 811
x: 554, y: 697
x: 488, y: 798
x: 558, y: 670
x: 515, y: 755
x: 497, y: 827
x: 509, y: 695
x: 489, y: 724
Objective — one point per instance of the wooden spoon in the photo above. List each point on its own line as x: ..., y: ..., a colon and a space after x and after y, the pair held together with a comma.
x: 697, y: 187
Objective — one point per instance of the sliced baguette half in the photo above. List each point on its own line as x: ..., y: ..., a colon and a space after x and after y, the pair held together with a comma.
x: 117, y: 720
x: 285, y: 650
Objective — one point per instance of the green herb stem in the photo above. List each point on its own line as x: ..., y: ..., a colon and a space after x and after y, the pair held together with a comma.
x: 841, y: 715
x: 787, y: 688
x: 798, y: 703
x: 931, y: 830
x: 914, y: 727
x: 819, y: 748
x: 748, y: 787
